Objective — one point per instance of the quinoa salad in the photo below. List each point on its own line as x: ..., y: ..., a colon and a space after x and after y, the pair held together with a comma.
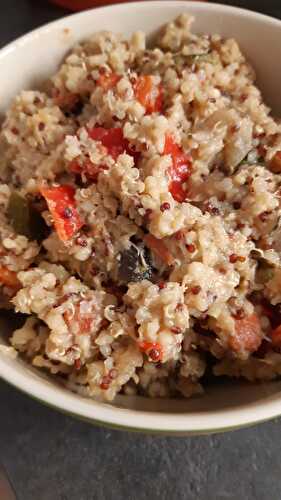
x: 140, y: 234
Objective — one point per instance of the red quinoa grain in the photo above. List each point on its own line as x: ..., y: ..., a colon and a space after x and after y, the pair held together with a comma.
x: 105, y: 383
x: 264, y: 216
x: 81, y: 242
x: 176, y: 329
x: 155, y: 354
x: 179, y: 307
x: 179, y: 235
x: 239, y: 314
x: 165, y: 206
x: 77, y: 364
x: 191, y: 248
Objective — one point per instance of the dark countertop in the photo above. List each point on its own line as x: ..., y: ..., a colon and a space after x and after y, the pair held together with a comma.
x: 50, y: 456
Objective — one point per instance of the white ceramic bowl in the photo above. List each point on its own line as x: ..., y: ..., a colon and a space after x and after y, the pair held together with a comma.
x: 23, y: 64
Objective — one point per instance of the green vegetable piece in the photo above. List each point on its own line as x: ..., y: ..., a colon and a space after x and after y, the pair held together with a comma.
x: 25, y: 219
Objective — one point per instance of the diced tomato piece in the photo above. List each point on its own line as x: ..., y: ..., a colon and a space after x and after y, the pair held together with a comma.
x: 9, y: 278
x: 65, y: 100
x: 171, y: 147
x: 113, y: 140
x: 84, y: 320
x: 85, y: 324
x: 275, y: 336
x: 248, y: 334
x: 61, y: 203
x: 180, y: 170
x: 75, y: 167
x: 153, y: 350
x: 108, y: 80
x: 148, y: 94
x: 159, y: 248
x: 89, y: 169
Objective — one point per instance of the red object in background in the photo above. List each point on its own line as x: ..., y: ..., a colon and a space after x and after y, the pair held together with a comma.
x: 85, y: 4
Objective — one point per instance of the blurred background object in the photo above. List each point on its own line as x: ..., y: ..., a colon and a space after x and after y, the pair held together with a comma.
x: 271, y: 7
x: 85, y: 4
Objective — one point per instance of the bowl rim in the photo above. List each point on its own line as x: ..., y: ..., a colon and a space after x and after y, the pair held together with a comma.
x: 104, y: 414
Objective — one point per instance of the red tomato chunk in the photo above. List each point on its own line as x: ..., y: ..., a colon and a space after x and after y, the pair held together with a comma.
x: 113, y: 141
x: 159, y: 249
x: 61, y: 203
x: 89, y: 169
x: 180, y: 171
x: 153, y: 350
x: 108, y: 80
x: 248, y: 334
x: 148, y: 94
x: 9, y: 278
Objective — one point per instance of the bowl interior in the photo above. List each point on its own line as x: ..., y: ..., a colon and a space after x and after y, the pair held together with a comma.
x: 25, y: 64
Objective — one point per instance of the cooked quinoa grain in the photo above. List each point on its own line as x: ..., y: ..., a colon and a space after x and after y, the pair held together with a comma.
x: 140, y: 217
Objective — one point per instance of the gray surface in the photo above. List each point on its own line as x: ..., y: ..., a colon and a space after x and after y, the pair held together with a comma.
x: 53, y: 457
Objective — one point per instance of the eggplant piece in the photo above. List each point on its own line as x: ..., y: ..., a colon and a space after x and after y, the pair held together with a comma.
x: 135, y: 265
x: 25, y: 219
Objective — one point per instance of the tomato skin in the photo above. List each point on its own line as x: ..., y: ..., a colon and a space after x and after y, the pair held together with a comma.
x: 89, y: 169
x: 65, y: 100
x: 108, y: 81
x: 248, y: 334
x: 159, y: 248
x: 148, y: 94
x: 180, y: 170
x: 9, y: 278
x: 112, y: 139
x: 115, y: 144
x: 152, y: 349
x: 61, y: 203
